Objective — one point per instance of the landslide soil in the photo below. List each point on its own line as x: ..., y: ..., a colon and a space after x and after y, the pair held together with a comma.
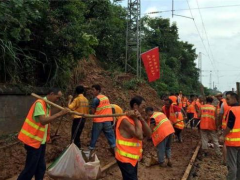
x: 116, y: 87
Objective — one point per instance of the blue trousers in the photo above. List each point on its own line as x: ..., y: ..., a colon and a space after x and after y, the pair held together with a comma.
x: 35, y: 163
x: 164, y: 148
x: 108, y: 131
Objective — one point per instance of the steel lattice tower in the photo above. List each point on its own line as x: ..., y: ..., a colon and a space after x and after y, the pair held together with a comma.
x: 133, y: 36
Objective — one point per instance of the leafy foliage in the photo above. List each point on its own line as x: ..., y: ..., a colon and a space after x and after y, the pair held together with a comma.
x: 41, y: 42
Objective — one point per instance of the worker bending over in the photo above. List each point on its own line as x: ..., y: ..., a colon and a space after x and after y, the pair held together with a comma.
x: 175, y: 115
x: 162, y: 131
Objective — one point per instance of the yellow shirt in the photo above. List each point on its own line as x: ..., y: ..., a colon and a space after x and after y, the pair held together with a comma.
x: 80, y: 104
x: 118, y: 110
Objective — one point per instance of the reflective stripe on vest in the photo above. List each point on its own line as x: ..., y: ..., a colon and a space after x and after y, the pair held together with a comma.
x: 125, y: 154
x: 233, y: 137
x: 235, y: 130
x: 208, y: 116
x: 34, y: 125
x: 31, y: 136
x: 160, y: 123
x: 208, y: 108
x: 127, y: 143
x: 104, y: 107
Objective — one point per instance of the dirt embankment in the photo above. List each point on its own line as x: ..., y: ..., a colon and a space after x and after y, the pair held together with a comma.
x: 117, y: 86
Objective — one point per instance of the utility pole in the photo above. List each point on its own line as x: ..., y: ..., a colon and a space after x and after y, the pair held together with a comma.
x: 200, y: 66
x: 133, y: 37
x: 238, y: 89
x: 210, y: 80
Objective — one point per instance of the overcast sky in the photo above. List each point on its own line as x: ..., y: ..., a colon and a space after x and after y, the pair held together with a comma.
x: 222, y: 27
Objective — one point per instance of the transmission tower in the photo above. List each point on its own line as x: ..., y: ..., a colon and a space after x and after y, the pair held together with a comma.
x: 133, y: 36
x: 200, y: 66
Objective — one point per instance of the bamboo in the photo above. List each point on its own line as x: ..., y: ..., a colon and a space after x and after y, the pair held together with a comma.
x: 191, y: 162
x: 109, y: 165
x: 76, y: 113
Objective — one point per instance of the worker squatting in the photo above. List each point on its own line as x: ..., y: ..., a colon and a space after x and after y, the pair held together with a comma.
x: 130, y: 129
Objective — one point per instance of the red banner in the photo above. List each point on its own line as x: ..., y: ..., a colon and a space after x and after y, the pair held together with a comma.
x: 151, y: 63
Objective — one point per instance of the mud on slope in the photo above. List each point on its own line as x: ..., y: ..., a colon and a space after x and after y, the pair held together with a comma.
x: 88, y: 72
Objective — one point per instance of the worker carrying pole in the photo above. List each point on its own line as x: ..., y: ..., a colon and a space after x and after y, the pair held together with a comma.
x: 129, y: 136
x: 35, y: 133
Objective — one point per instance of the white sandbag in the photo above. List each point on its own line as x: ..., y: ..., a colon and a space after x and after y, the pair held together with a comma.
x: 69, y: 166
x: 92, y: 169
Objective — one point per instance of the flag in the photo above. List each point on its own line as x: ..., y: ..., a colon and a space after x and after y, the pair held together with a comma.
x: 151, y: 63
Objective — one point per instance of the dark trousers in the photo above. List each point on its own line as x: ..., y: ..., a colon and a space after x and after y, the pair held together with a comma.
x: 77, y: 132
x: 189, y: 117
x: 178, y: 133
x: 129, y: 172
x: 35, y: 163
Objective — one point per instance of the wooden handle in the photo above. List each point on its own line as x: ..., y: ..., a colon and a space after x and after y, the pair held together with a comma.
x: 76, y: 113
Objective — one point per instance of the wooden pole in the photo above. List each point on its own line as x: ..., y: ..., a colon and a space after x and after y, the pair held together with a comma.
x: 74, y: 112
x: 106, y: 167
x: 191, y: 162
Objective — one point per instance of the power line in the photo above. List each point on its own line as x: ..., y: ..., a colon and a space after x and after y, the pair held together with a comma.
x: 210, y: 7
x: 200, y: 36
x: 206, y: 36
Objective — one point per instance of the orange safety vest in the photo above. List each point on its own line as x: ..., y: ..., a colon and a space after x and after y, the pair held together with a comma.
x: 104, y: 107
x: 233, y: 138
x: 162, y: 129
x: 32, y: 132
x: 127, y: 150
x: 191, y: 107
x: 208, y: 120
x: 226, y: 109
x: 173, y: 118
x: 174, y: 99
x: 184, y: 102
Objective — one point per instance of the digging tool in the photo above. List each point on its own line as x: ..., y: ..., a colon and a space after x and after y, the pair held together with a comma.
x: 56, y: 135
x: 74, y: 112
x: 198, y: 123
x: 189, y: 121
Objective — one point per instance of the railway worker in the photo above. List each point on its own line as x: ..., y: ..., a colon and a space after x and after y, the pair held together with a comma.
x: 175, y: 115
x: 199, y: 103
x: 173, y: 98
x: 208, y: 125
x: 35, y: 133
x: 162, y: 131
x: 184, y: 102
x: 129, y: 136
x: 191, y: 110
x: 80, y: 104
x: 101, y: 106
x: 232, y: 137
x: 223, y: 110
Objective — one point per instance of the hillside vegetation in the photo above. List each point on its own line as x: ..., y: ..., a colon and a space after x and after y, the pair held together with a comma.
x: 42, y: 41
